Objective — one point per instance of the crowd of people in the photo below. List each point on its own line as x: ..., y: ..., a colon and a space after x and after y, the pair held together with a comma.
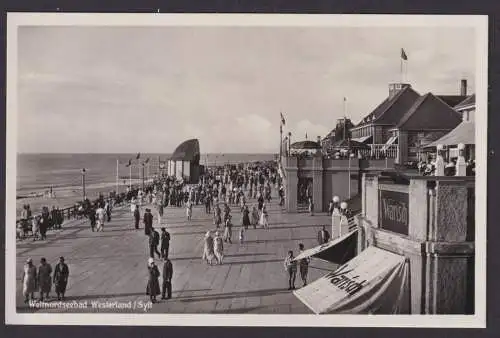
x: 219, y: 190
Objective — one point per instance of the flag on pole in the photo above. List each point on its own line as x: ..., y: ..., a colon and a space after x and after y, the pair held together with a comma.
x: 306, y: 135
x: 138, y: 156
x: 129, y: 163
x: 147, y: 160
x: 403, y: 55
x: 282, y: 119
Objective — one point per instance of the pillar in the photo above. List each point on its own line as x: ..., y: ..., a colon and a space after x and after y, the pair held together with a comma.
x: 318, y: 183
x: 292, y: 181
x: 402, y: 156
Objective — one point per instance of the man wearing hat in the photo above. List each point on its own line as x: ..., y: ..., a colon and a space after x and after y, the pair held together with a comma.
x: 137, y: 216
x: 154, y: 240
x: 168, y: 271
x: 165, y: 242
x: 60, y: 279
x: 153, y: 286
x: 148, y: 222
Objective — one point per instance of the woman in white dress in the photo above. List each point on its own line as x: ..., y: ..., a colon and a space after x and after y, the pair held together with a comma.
x: 218, y: 247
x: 29, y: 280
x: 189, y: 209
x: 264, y: 218
x: 208, y: 250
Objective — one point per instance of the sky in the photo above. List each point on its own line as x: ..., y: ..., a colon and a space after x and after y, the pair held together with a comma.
x: 147, y: 89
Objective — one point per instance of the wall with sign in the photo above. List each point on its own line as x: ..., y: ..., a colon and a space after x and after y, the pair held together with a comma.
x: 426, y: 220
x: 394, y: 210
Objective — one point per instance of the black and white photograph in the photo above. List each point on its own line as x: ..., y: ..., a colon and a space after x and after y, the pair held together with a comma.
x: 246, y: 170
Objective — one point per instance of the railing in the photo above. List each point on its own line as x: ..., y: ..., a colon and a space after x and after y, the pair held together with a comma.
x: 380, y: 151
x: 351, y: 221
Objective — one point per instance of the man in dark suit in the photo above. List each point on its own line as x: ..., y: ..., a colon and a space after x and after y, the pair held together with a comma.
x: 168, y: 272
x: 154, y: 240
x: 148, y: 222
x: 165, y: 243
x: 323, y: 236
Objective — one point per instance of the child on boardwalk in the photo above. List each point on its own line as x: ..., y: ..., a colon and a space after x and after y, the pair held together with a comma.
x: 242, y: 235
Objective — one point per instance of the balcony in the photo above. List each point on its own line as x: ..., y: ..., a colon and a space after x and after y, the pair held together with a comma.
x: 380, y: 151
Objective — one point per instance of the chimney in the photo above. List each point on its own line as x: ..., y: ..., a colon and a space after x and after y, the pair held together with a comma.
x: 394, y: 88
x: 463, y: 87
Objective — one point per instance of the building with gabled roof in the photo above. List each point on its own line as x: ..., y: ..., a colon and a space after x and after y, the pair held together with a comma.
x: 407, y: 120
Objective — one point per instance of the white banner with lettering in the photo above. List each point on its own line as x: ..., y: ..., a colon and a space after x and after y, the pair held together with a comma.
x: 376, y: 281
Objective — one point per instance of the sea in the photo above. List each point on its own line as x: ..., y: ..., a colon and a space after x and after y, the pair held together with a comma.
x: 39, y: 172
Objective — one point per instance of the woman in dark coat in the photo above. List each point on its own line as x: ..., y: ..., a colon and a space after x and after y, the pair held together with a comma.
x: 153, y: 287
x: 246, y: 217
x: 61, y: 273
x: 44, y: 278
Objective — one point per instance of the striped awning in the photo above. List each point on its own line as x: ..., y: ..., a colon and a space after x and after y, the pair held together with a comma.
x: 362, y: 139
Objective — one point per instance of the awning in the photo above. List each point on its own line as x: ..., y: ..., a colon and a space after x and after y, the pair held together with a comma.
x: 376, y: 281
x: 464, y: 133
x: 338, y: 251
x: 362, y: 139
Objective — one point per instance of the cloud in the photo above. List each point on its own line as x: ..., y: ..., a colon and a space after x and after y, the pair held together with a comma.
x: 224, y: 85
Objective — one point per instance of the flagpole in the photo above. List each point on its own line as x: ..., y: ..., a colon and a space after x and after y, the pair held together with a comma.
x: 130, y: 176
x: 281, y: 137
x: 401, y: 70
x: 117, y: 175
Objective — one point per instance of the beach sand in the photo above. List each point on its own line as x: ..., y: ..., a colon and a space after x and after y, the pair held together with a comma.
x: 68, y: 196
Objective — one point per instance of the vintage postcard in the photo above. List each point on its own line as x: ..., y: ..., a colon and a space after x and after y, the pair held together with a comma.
x: 246, y: 170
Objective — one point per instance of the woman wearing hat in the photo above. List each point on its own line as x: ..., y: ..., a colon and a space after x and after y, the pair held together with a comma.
x: 29, y: 280
x: 61, y: 273
x: 44, y: 278
x: 208, y: 250
x: 153, y: 287
x: 217, y: 216
x: 218, y: 248
x: 245, y: 221
x: 255, y: 216
x: 228, y: 229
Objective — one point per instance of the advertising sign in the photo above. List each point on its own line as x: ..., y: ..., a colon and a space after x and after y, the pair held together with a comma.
x: 394, y: 211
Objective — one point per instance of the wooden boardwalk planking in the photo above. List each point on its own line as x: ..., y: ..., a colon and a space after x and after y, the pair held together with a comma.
x: 111, y: 265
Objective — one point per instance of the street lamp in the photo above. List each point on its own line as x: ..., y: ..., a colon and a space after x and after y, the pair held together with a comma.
x: 83, y: 183
x: 289, y: 142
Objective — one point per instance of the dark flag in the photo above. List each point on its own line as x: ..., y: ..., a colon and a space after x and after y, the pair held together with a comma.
x: 403, y: 55
x: 138, y: 156
x: 129, y: 163
x: 282, y: 119
x: 147, y: 160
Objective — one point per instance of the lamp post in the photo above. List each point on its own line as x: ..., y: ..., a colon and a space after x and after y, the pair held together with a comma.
x: 143, y: 177
x: 83, y: 183
x: 289, y: 142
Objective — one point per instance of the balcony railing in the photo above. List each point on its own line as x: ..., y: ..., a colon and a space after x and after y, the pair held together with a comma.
x: 380, y: 151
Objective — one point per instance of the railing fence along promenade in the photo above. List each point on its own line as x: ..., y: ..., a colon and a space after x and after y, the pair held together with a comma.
x: 68, y: 213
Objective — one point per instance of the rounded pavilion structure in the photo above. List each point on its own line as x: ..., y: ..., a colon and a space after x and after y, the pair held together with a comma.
x: 185, y: 161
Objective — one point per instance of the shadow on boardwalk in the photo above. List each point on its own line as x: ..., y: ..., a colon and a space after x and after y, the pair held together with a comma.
x: 231, y: 295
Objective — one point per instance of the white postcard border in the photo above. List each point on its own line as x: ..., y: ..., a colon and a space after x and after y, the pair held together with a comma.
x: 480, y: 23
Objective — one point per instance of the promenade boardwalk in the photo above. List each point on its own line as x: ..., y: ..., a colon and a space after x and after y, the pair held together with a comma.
x: 112, y: 265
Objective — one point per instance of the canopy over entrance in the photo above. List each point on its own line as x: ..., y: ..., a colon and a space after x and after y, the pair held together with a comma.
x: 463, y: 133
x: 376, y: 281
x: 338, y: 251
